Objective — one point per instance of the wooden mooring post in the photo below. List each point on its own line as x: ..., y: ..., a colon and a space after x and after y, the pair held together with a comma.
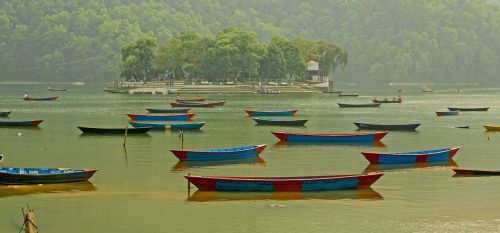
x: 29, y: 223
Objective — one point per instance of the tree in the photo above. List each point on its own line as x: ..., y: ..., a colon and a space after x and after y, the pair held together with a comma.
x: 137, y: 60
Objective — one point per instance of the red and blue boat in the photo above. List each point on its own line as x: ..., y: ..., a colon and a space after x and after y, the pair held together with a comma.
x: 168, y: 110
x: 20, y: 123
x: 40, y: 98
x: 411, y: 157
x: 294, y: 183
x: 269, y: 121
x: 219, y: 154
x: 193, y: 104
x: 362, y: 125
x: 253, y: 113
x: 4, y: 114
x: 348, y: 137
x: 10, y: 176
x: 171, y: 126
x: 161, y: 117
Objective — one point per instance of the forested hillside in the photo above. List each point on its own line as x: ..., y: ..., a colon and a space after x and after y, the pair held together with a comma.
x: 387, y: 40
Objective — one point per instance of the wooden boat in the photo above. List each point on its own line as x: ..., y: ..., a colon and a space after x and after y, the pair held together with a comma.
x: 20, y: 123
x: 387, y: 127
x: 116, y: 91
x: 269, y: 121
x: 40, y: 98
x: 190, y: 99
x: 57, y: 89
x: 218, y: 103
x: 411, y: 157
x: 331, y: 92
x: 427, y: 90
x: 10, y: 175
x: 359, y: 105
x: 468, y: 109
x: 219, y: 154
x: 294, y: 183
x: 172, y: 126
x: 193, y: 104
x: 348, y: 95
x: 253, y: 113
x: 398, y: 101
x: 4, y: 114
x: 447, y: 113
x: 492, y: 127
x: 161, y: 117
x: 472, y: 172
x: 462, y: 127
x: 350, y: 137
x: 93, y: 130
x: 168, y: 110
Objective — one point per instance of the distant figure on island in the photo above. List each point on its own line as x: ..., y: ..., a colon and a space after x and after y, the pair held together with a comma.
x: 26, y: 95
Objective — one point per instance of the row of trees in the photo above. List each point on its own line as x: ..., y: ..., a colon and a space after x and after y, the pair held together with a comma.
x: 388, y: 40
x: 232, y: 55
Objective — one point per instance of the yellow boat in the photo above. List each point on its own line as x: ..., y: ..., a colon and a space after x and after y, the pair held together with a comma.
x: 492, y: 127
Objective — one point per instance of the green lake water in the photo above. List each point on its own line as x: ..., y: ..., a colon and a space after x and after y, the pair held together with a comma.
x: 142, y: 188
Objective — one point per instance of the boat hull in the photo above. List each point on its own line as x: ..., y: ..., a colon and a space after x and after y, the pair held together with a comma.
x: 362, y: 125
x: 168, y: 110
x: 356, y: 137
x: 411, y: 157
x: 41, y: 99
x: 387, y: 101
x: 4, y: 114
x: 191, y: 100
x: 262, y: 121
x: 460, y: 171
x: 492, y: 127
x: 468, y: 109
x: 161, y: 117
x: 447, y: 113
x: 305, y: 183
x: 219, y: 154
x: 253, y: 113
x: 193, y: 104
x: 10, y: 176
x: 166, y: 126
x: 92, y: 130
x: 374, y: 105
x: 20, y: 123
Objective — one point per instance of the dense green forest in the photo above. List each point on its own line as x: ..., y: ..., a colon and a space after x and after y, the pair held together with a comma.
x: 387, y: 40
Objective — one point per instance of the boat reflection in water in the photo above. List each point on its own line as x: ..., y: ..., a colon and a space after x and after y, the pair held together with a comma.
x: 283, y: 144
x: 183, y: 165
x: 361, y: 193
x: 399, y: 166
x: 18, y: 190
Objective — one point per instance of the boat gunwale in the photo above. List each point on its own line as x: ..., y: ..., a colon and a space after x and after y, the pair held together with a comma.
x: 284, y: 178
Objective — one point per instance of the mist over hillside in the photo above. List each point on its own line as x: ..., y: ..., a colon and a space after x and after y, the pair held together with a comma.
x: 452, y: 41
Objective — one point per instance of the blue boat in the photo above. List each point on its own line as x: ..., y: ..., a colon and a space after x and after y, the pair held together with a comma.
x: 351, y: 137
x: 161, y: 117
x: 269, y: 121
x: 4, y: 114
x: 9, y: 175
x: 172, y: 126
x: 219, y: 154
x: 253, y: 113
x: 447, y: 113
x: 295, y: 183
x: 362, y: 125
x: 411, y: 157
x: 168, y: 110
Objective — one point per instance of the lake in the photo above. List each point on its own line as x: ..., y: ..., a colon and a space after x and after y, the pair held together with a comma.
x: 141, y: 188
